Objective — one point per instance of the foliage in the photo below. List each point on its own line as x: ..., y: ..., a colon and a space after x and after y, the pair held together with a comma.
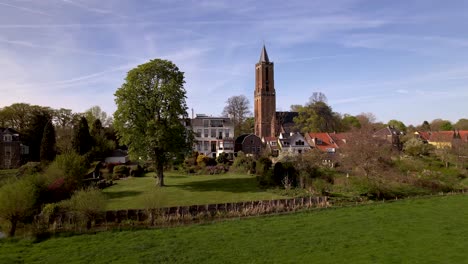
x: 349, y: 122
x: 17, y: 201
x: 317, y: 116
x: 218, y: 169
x: 102, y: 145
x: 150, y: 107
x: 223, y: 158
x: 48, y: 143
x: 203, y: 161
x: 263, y: 165
x: 365, y: 153
x: 121, y: 171
x: 88, y: 203
x: 237, y: 108
x: 136, y: 171
x: 397, y: 124
x: 462, y: 124
x: 34, y: 133
x: 415, y: 147
x: 29, y: 168
x: 70, y: 167
x: 242, y: 163
x: 441, y: 125
x: 82, y: 140
x: 95, y: 113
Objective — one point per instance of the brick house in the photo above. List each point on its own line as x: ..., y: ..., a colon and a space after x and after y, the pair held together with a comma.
x: 11, y: 148
x: 250, y: 144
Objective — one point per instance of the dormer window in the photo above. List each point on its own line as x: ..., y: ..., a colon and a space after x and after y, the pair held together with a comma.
x: 7, y: 138
x: 318, y: 141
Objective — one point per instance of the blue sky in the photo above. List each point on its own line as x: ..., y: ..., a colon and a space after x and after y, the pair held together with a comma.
x: 405, y: 60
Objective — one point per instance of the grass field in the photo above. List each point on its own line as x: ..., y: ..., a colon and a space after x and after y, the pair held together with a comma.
x: 431, y: 230
x: 183, y: 189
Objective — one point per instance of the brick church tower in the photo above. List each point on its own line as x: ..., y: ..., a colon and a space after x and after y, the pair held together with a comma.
x: 265, y: 97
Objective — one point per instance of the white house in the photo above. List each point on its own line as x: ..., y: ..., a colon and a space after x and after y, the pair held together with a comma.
x: 293, y: 143
x: 213, y: 135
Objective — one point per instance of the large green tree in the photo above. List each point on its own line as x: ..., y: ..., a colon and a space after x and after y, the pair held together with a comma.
x: 48, y: 151
x: 150, y: 112
x: 397, y: 124
x: 82, y: 140
x: 317, y: 116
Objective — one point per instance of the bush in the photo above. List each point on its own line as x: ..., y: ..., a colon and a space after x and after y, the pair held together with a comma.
x: 242, y: 163
x: 262, y: 165
x: 223, y: 158
x: 218, y: 169
x: 71, y: 167
x: 121, y: 171
x: 29, y: 168
x: 17, y: 202
x: 88, y: 204
x: 136, y: 171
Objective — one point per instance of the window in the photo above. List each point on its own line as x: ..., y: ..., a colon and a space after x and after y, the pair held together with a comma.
x: 299, y: 143
x: 226, y: 133
x: 205, y: 145
x: 273, y: 143
x: 205, y: 132
x: 198, y: 134
x: 318, y: 141
x: 216, y: 123
x: 206, y: 122
x: 7, y: 138
x: 213, y: 133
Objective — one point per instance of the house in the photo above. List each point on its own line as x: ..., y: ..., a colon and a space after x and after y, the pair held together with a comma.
x: 250, y: 144
x: 322, y: 141
x: 443, y: 139
x: 390, y: 134
x: 271, y: 145
x: 213, y: 135
x: 292, y: 143
x: 118, y: 156
x: 11, y: 149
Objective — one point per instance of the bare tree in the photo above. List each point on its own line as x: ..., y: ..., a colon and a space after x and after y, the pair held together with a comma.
x: 366, y: 153
x: 237, y: 108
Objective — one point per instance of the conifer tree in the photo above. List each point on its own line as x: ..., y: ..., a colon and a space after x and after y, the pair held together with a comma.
x: 48, y: 143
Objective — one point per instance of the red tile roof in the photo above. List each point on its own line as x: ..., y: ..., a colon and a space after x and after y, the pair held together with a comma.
x: 326, y: 141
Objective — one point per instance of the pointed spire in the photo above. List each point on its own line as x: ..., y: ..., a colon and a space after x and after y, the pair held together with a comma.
x: 264, y: 55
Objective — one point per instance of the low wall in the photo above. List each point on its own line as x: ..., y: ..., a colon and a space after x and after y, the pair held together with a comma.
x: 186, y: 214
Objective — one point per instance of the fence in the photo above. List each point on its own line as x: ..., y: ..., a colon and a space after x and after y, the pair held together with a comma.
x: 183, y: 214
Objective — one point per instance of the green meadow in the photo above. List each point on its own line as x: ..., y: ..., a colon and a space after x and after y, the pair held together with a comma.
x: 424, y: 230
x: 184, y: 189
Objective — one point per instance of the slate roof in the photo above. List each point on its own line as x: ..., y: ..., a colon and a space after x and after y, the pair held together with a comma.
x: 264, y: 56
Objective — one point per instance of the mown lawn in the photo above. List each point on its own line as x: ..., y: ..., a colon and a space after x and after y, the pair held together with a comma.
x: 431, y: 230
x: 183, y: 189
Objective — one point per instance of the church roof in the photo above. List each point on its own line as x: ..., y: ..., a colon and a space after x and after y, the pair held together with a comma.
x: 264, y: 55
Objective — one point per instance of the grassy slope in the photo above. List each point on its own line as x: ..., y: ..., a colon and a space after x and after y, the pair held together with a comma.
x: 185, y: 189
x: 408, y: 231
x: 7, y: 174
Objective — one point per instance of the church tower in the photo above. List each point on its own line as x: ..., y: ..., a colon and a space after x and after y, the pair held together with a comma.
x: 265, y: 97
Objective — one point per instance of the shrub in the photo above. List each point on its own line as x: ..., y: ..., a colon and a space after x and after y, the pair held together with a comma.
x: 29, y: 168
x: 218, y: 169
x: 242, y: 163
x: 223, y: 158
x: 121, y: 171
x: 17, y: 201
x: 263, y: 164
x: 71, y: 167
x: 88, y: 204
x: 136, y: 171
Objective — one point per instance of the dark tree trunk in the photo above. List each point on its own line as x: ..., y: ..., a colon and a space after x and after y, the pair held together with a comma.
x: 12, y: 232
x: 159, y: 163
